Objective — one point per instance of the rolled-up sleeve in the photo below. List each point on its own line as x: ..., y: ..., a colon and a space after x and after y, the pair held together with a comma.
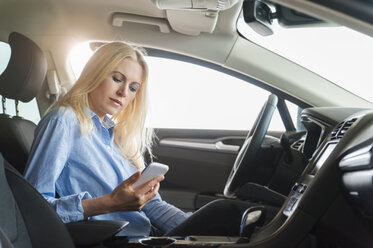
x: 69, y: 208
x: 48, y: 157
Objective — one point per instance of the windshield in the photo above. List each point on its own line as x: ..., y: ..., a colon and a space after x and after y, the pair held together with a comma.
x: 339, y: 54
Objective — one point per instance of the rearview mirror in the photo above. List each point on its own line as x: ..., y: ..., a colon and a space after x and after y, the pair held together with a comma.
x: 259, y: 15
x: 291, y: 18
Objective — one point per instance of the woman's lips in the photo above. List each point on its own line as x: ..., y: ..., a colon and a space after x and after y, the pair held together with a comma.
x: 116, y: 101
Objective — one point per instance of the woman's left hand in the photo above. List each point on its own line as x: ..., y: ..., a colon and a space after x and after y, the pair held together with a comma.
x: 124, y: 197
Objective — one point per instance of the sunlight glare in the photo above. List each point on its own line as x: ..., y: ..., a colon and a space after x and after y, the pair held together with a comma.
x: 79, y: 56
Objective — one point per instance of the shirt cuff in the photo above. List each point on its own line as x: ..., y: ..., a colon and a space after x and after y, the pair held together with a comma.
x: 70, y: 208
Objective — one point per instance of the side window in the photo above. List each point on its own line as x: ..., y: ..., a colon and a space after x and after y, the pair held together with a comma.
x: 185, y: 95
x: 28, y: 110
x: 295, y: 112
x: 5, y: 56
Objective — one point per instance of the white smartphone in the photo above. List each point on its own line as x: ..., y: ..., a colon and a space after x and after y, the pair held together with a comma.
x: 151, y: 171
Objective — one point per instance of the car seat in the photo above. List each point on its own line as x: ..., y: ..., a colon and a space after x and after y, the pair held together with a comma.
x: 29, y: 220
x: 26, y: 219
x: 21, y: 81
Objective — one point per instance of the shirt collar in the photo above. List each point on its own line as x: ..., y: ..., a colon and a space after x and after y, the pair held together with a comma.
x: 107, y: 122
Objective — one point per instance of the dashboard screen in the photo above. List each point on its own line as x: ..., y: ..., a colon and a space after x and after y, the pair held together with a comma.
x: 325, y: 154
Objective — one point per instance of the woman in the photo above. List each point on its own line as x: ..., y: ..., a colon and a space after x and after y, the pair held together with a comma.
x: 91, y: 160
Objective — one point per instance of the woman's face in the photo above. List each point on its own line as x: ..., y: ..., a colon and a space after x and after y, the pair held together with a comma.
x: 117, y: 90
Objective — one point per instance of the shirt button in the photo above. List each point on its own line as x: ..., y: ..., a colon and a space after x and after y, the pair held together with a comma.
x: 108, y: 147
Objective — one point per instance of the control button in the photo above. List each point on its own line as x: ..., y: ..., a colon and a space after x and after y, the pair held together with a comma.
x: 292, y: 204
x: 292, y: 201
x: 301, y: 188
x: 295, y: 187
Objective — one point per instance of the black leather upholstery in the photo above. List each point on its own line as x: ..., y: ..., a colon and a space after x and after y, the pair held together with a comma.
x: 26, y: 70
x: 26, y: 218
x: 93, y: 232
x: 21, y: 80
x: 16, y: 139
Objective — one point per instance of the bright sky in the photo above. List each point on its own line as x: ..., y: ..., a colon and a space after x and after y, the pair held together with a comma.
x: 339, y: 54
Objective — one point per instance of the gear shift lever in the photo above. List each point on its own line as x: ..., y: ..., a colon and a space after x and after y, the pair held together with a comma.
x: 252, y: 217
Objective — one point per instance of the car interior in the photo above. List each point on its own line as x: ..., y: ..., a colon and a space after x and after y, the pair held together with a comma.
x: 306, y: 185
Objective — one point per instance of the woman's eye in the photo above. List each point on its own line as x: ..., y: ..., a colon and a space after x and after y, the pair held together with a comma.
x: 133, y: 89
x: 117, y: 80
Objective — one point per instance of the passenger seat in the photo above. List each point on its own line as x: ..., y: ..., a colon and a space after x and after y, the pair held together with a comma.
x: 21, y: 81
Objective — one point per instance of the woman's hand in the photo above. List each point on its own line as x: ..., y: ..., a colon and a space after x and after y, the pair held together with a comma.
x: 123, y: 197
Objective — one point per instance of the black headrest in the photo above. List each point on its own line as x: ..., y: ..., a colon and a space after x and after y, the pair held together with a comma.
x: 25, y: 73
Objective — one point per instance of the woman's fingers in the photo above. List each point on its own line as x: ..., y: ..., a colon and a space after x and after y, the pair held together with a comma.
x: 125, y: 198
x: 150, y: 185
x: 132, y: 179
x: 150, y: 194
x: 153, y: 191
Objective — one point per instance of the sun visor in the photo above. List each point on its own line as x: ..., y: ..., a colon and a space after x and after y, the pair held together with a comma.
x: 203, y: 21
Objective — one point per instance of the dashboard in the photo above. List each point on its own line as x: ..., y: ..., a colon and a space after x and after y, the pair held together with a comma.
x: 332, y: 200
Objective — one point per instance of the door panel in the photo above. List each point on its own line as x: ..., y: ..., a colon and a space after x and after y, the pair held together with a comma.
x: 200, y: 162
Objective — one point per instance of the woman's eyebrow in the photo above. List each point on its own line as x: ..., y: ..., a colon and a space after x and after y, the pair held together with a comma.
x: 119, y: 73
x: 123, y: 76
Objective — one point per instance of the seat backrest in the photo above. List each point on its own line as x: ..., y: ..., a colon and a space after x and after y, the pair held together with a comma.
x: 26, y: 218
x: 21, y: 81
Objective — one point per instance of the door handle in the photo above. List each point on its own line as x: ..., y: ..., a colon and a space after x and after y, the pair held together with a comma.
x: 224, y: 147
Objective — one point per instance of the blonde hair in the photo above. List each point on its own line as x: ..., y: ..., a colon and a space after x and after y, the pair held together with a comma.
x: 130, y: 134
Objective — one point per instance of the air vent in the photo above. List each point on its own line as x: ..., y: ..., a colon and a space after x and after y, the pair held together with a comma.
x: 297, y: 144
x: 341, y: 129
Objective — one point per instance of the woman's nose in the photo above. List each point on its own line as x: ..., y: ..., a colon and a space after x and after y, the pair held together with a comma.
x: 123, y: 90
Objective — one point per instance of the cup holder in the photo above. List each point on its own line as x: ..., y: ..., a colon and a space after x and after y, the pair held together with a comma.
x: 157, y: 241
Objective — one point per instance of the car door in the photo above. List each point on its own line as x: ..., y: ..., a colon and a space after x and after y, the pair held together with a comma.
x: 201, y: 118
x: 200, y: 162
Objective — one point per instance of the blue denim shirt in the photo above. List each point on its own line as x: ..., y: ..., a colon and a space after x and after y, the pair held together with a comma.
x: 80, y: 167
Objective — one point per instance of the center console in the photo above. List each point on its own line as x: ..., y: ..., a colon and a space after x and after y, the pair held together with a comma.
x: 300, y: 187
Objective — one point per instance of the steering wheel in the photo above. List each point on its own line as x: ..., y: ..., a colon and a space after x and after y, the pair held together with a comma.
x: 244, y: 167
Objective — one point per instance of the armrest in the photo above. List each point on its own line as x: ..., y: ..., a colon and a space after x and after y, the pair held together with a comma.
x: 259, y: 193
x: 94, y: 232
